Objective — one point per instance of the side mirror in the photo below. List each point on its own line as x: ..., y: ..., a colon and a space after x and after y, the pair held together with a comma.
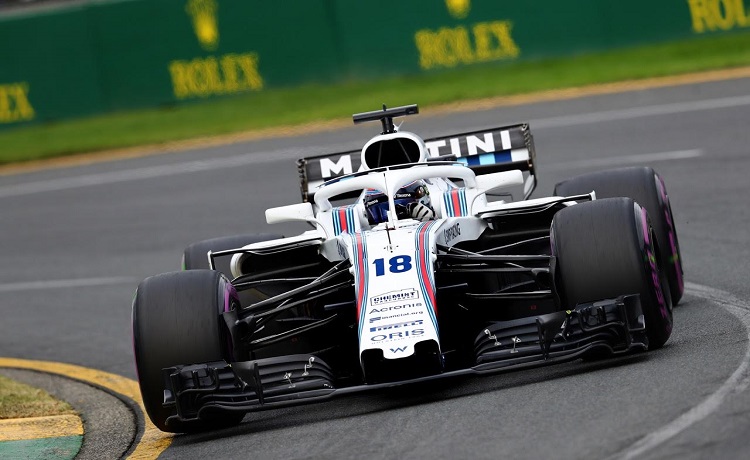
x: 302, y: 212
x: 489, y: 183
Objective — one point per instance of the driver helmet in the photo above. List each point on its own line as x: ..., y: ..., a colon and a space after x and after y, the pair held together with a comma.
x: 411, y: 201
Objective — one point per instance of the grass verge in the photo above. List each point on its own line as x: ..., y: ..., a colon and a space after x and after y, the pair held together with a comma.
x: 20, y: 401
x: 293, y: 106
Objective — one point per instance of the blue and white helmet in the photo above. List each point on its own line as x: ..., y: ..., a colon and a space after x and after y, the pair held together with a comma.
x: 412, y: 202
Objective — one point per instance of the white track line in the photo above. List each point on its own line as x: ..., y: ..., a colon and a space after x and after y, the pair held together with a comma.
x: 60, y: 284
x: 639, y: 112
x: 624, y: 160
x: 67, y: 183
x: 736, y: 383
x: 152, y: 172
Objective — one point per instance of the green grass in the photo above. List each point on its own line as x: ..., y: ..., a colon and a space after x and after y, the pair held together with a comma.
x: 19, y: 401
x: 324, y: 102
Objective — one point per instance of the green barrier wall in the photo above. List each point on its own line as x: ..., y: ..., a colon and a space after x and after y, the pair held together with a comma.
x: 179, y: 50
x: 139, y: 53
x: 458, y: 33
x: 109, y: 55
x: 48, y: 68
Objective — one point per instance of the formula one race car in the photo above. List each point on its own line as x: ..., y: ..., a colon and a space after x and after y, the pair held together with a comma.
x: 410, y: 273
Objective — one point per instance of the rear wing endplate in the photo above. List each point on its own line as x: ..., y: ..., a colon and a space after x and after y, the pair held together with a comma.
x: 500, y: 149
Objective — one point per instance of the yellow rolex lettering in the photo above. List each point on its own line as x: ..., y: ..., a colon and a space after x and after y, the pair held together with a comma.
x: 14, y: 103
x: 742, y: 18
x: 445, y: 48
x: 249, y: 65
x: 494, y: 41
x: 429, y: 50
x: 214, y: 83
x: 178, y: 71
x: 501, y: 31
x: 724, y: 14
x: 4, y: 104
x: 448, y: 47
x: 700, y: 15
x: 713, y: 15
x: 484, y: 43
x: 211, y: 76
x: 458, y: 46
x: 198, y: 70
x: 229, y: 69
x: 23, y: 106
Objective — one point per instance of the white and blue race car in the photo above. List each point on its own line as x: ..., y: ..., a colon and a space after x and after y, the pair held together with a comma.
x: 419, y: 265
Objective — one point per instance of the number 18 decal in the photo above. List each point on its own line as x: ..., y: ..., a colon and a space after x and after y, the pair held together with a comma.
x: 396, y: 264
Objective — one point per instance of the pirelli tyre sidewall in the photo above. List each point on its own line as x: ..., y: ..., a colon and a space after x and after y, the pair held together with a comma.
x: 177, y: 321
x: 647, y: 188
x: 607, y: 248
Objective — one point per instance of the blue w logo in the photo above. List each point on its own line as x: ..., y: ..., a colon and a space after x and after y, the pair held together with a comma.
x: 399, y: 350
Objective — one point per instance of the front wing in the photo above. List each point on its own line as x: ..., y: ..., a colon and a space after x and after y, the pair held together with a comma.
x: 608, y: 327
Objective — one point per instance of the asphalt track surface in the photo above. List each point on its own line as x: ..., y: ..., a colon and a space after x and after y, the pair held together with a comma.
x: 76, y: 241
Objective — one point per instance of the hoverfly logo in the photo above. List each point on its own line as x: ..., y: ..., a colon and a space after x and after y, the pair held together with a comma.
x: 205, y: 23
x: 459, y: 9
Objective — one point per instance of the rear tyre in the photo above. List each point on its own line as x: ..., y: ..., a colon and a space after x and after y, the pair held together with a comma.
x: 646, y: 187
x: 604, y: 249
x: 195, y: 256
x: 176, y: 321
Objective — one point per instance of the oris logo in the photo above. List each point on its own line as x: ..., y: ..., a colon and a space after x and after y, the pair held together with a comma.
x: 397, y: 335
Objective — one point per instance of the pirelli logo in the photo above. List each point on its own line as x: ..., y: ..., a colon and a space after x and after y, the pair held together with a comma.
x: 388, y: 327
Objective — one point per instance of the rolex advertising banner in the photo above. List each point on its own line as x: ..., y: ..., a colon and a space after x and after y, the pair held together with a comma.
x: 47, y: 67
x: 179, y: 50
x: 97, y: 56
x: 108, y: 55
x: 431, y: 35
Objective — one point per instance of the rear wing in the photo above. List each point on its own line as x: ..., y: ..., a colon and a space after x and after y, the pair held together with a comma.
x: 500, y: 149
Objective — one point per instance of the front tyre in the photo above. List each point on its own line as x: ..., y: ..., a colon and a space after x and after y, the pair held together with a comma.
x: 647, y: 188
x: 176, y: 321
x: 606, y: 248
